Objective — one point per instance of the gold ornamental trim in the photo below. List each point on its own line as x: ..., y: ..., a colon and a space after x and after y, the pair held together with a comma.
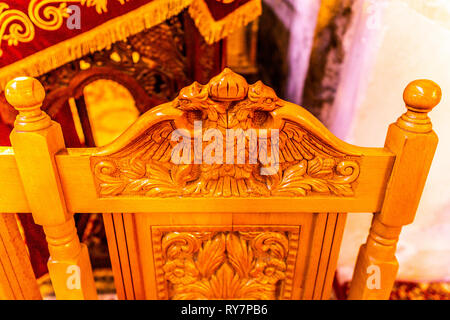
x: 213, y: 30
x: 10, y: 30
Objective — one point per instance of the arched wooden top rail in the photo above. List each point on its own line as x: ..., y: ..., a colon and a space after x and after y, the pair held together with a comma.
x: 214, y: 98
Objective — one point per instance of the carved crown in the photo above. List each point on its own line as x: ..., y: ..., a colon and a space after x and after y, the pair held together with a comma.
x: 228, y: 86
x: 228, y: 101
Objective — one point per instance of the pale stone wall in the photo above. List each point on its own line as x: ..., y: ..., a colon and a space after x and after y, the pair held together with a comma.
x: 389, y: 44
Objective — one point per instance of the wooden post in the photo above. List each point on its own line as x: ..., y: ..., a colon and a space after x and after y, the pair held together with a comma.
x: 36, y: 139
x: 413, y: 142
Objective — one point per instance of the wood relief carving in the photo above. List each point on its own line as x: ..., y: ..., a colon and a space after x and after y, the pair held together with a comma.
x: 213, y: 263
x: 306, y: 163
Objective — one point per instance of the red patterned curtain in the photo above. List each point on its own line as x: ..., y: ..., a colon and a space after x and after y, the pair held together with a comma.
x: 37, y: 36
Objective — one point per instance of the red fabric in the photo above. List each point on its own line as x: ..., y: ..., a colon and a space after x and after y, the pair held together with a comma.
x: 44, y: 38
x: 220, y: 10
x: 5, y: 130
x: 90, y: 19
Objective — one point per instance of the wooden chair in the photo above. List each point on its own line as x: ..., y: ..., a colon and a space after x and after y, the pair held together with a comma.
x: 254, y: 230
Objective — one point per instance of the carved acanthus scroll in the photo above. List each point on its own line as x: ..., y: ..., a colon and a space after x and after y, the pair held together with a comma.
x: 306, y: 163
x: 249, y: 263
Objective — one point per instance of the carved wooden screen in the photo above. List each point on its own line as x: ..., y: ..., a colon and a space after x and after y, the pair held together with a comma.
x: 251, y: 220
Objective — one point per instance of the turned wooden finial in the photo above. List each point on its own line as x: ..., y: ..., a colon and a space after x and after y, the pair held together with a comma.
x: 26, y: 96
x: 420, y: 97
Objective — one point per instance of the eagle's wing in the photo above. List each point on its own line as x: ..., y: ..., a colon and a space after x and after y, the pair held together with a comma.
x: 307, y: 164
x: 143, y: 167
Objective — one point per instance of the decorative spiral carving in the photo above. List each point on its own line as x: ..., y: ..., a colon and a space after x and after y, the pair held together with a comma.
x: 274, y: 242
x: 348, y: 171
x: 105, y: 168
x: 179, y: 244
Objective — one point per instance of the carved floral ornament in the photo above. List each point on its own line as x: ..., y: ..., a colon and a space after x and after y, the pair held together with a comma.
x: 219, y: 264
x: 141, y: 163
x: 17, y: 26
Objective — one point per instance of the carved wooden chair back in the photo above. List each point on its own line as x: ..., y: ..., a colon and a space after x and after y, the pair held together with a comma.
x: 227, y: 192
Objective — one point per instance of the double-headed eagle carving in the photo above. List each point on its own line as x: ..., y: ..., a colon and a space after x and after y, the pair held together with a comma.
x: 141, y: 161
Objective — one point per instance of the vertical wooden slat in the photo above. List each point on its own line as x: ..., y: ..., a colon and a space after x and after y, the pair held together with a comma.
x: 314, y: 256
x: 6, y: 291
x: 133, y: 255
x: 9, y: 283
x: 16, y: 266
x: 114, y: 255
x: 324, y: 254
x: 123, y: 255
x: 334, y: 255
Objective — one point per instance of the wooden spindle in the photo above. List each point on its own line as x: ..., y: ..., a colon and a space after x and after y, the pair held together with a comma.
x: 36, y: 139
x: 413, y: 142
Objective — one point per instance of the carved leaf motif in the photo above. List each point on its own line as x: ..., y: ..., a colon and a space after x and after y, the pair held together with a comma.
x: 196, y: 291
x: 225, y: 284
x: 111, y: 188
x: 134, y: 169
x: 240, y: 255
x: 291, y: 183
x: 183, y: 173
x: 317, y: 175
x: 157, y: 181
x: 229, y: 265
x: 343, y: 189
x: 321, y: 168
x: 211, y: 256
